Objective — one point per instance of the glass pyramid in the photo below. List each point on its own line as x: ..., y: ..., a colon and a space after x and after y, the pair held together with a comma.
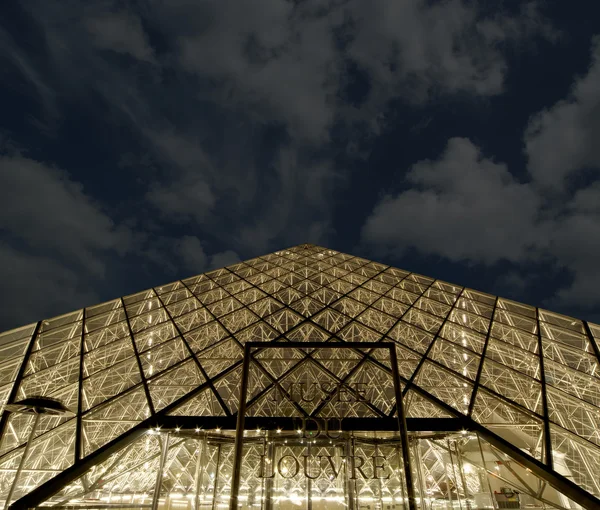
x: 151, y: 379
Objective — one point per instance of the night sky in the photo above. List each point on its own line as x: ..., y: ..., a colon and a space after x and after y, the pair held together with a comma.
x: 146, y: 141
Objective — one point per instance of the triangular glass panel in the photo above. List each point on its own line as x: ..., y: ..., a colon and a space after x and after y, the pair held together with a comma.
x: 307, y: 332
x: 238, y: 320
x: 229, y: 389
x: 220, y: 357
x: 449, y: 388
x: 514, y: 424
x: 307, y: 306
x: 110, y: 382
x: 304, y: 384
x: 174, y: 384
x: 112, y: 419
x: 417, y: 406
x: 273, y: 402
x: 160, y: 358
x: 278, y: 361
x: 258, y: 332
x: 205, y: 336
x: 284, y: 320
x: 330, y: 320
x: 339, y: 362
x: 265, y: 306
x: 203, y: 404
x: 356, y: 332
x: 413, y: 338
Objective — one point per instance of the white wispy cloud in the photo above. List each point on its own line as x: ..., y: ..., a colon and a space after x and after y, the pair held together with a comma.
x: 466, y: 206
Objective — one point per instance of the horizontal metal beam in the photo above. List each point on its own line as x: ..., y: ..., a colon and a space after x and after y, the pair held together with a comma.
x: 185, y: 423
x: 100, y: 507
x: 320, y: 345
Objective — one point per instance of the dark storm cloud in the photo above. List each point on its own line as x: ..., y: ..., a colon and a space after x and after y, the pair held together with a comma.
x: 218, y: 122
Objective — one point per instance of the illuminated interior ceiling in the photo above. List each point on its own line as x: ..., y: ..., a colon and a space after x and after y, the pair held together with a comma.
x: 524, y: 376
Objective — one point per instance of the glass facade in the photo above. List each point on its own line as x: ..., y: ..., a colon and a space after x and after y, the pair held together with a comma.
x: 306, y: 378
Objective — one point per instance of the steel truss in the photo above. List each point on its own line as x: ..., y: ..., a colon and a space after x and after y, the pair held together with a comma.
x: 523, y: 379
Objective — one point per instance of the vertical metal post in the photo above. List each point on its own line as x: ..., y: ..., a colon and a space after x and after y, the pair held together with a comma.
x: 401, y: 476
x: 462, y: 475
x: 379, y: 484
x: 547, y: 440
x: 200, y: 470
x: 23, y: 459
x: 239, y: 432
x: 164, y: 448
x: 454, y: 471
x: 268, y: 482
x: 419, y: 470
x: 349, y: 483
x: 410, y: 489
x: 485, y: 472
x: 448, y: 480
x: 216, y: 482
x: 308, y: 479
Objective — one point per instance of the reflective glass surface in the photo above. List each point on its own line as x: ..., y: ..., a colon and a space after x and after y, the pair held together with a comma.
x: 514, y: 374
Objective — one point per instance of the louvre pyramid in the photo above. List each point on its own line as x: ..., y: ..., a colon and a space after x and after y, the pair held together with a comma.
x: 525, y: 378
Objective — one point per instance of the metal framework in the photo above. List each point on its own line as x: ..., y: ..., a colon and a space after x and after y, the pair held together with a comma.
x: 365, y: 348
x: 524, y: 381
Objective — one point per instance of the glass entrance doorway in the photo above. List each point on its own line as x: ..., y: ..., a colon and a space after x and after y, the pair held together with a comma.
x: 452, y: 471
x: 187, y: 469
x: 351, y: 471
x: 319, y: 426
x: 322, y: 465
